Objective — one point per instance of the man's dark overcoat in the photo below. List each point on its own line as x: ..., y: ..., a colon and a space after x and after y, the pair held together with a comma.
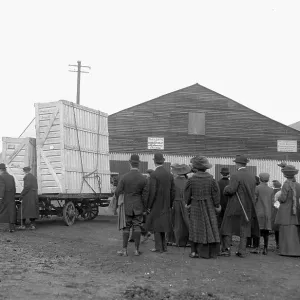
x: 223, y: 182
x: 243, y: 183
x: 161, y: 198
x: 134, y: 186
x: 8, y: 212
x: 29, y: 195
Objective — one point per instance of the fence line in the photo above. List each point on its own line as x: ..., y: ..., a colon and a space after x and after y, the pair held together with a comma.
x: 262, y: 165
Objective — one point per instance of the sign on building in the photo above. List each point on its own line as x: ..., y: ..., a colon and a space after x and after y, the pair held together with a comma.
x: 156, y: 143
x: 286, y: 146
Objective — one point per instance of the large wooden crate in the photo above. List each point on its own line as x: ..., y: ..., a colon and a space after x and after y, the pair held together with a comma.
x: 18, y: 153
x: 72, y: 149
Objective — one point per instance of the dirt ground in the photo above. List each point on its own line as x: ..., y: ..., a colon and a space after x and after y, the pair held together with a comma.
x: 80, y: 262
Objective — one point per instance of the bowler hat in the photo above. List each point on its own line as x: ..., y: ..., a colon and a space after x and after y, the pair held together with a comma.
x: 2, y: 166
x: 224, y: 171
x: 134, y: 158
x: 282, y: 165
x: 200, y: 163
x: 241, y: 159
x: 180, y: 169
x: 276, y: 184
x: 264, y: 176
x: 289, y: 171
x: 26, y: 169
x: 159, y: 158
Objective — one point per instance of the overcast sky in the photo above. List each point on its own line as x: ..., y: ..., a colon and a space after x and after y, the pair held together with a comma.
x: 138, y: 50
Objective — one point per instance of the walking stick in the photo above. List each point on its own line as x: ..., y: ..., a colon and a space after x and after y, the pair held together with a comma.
x: 21, y: 214
x: 247, y: 219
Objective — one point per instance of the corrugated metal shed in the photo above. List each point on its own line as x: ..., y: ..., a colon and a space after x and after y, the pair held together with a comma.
x: 197, y: 120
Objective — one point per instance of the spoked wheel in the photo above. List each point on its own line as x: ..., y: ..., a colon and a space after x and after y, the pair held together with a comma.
x: 90, y: 212
x: 69, y: 213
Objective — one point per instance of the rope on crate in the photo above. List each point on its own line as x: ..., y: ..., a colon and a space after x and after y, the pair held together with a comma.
x: 95, y: 172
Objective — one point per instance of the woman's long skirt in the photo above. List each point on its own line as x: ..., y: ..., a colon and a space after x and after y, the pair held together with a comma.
x: 180, y: 233
x: 289, y: 240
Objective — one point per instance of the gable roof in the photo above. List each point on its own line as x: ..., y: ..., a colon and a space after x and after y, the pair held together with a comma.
x: 295, y: 125
x: 197, y: 88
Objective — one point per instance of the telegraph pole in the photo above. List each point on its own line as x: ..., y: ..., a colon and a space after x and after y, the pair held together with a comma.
x: 79, y: 71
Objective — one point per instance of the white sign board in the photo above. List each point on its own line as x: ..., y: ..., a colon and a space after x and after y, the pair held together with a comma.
x: 286, y: 146
x: 156, y: 143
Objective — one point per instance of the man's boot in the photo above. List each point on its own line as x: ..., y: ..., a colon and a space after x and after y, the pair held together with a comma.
x: 11, y: 227
x: 265, y: 251
x: 123, y: 252
x: 137, y: 239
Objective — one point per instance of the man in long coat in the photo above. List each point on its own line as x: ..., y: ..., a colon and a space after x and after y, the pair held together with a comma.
x: 135, y: 189
x: 29, y: 198
x: 161, y: 197
x: 240, y: 218
x: 264, y: 197
x: 223, y: 182
x: 8, y: 212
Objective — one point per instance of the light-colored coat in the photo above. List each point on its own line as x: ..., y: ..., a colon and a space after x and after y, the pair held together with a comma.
x: 263, y: 205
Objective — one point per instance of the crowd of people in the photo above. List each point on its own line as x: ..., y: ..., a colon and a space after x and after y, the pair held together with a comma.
x: 188, y: 207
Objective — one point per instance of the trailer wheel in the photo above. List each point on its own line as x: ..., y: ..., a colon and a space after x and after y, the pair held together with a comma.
x: 90, y: 211
x: 69, y: 213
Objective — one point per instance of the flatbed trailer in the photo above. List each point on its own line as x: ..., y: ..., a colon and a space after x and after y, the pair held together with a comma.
x: 70, y: 207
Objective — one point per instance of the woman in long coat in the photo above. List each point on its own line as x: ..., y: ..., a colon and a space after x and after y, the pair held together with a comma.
x: 203, y: 196
x: 180, y: 234
x: 275, y: 206
x: 288, y: 216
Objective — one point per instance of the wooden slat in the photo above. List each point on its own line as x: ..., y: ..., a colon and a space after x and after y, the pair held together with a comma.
x: 51, y: 170
x: 49, y: 127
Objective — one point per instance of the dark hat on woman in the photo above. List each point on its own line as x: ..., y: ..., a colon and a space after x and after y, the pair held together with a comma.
x: 158, y: 158
x: 276, y: 184
x: 134, y: 158
x: 282, y: 164
x: 180, y: 169
x: 200, y: 163
x: 2, y: 166
x: 225, y: 171
x: 241, y: 159
x: 289, y: 171
x: 26, y: 169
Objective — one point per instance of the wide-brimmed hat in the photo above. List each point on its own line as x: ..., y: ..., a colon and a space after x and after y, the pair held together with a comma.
x: 180, y: 169
x: 2, y: 166
x: 158, y: 158
x: 225, y: 171
x: 282, y: 164
x: 26, y: 169
x: 276, y: 184
x: 264, y: 176
x: 200, y: 163
x: 289, y: 170
x: 134, y: 158
x: 241, y: 159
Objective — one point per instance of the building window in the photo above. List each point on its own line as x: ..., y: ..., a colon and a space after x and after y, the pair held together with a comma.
x: 196, y: 123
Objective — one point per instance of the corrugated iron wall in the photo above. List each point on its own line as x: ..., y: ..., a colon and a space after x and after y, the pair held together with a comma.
x: 261, y: 165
